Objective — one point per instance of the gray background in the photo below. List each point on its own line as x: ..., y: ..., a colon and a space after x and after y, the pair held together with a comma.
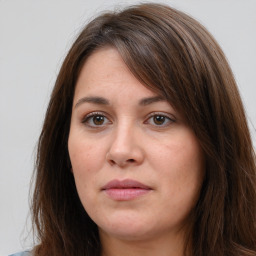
x: 34, y: 38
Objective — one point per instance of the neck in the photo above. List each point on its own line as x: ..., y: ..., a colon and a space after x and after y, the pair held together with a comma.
x: 160, y: 246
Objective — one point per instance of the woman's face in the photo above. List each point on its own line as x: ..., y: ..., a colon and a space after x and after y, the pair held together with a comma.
x: 138, y: 167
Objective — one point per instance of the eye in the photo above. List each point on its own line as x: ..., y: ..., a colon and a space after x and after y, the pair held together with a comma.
x: 95, y: 120
x: 159, y: 119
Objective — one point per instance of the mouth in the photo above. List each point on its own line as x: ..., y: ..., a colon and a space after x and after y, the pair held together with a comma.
x: 125, y: 190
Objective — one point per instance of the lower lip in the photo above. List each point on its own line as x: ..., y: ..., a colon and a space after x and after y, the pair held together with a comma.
x: 121, y: 194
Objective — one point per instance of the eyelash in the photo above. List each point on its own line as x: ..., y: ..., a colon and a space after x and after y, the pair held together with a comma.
x: 167, y: 119
x: 89, y: 118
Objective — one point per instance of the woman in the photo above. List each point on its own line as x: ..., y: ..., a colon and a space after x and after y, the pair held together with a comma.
x: 145, y: 148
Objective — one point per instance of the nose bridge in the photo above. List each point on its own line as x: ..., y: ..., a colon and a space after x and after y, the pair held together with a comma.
x: 125, y: 147
x: 124, y: 136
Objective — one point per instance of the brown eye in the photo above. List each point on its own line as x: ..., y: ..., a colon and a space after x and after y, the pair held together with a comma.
x: 94, y: 120
x: 159, y: 120
x: 98, y: 120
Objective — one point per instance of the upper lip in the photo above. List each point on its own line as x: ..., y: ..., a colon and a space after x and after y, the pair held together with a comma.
x: 127, y: 183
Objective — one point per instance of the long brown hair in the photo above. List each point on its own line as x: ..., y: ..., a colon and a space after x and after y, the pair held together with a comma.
x: 175, y: 56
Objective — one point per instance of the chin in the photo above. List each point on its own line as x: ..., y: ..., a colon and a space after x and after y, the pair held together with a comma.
x: 129, y: 229
x: 127, y: 234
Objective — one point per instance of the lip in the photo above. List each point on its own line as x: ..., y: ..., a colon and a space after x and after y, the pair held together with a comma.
x: 125, y: 190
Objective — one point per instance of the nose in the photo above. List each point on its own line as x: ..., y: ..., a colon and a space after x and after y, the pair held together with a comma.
x: 125, y: 148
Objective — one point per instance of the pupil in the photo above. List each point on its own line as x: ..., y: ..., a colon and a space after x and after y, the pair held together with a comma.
x: 98, y: 120
x: 159, y: 119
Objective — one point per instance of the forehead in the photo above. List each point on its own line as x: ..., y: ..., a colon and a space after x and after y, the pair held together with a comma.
x: 105, y: 72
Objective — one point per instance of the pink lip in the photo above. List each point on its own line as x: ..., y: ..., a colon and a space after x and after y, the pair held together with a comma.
x: 125, y: 190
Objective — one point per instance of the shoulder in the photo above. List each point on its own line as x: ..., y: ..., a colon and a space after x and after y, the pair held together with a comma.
x: 25, y: 253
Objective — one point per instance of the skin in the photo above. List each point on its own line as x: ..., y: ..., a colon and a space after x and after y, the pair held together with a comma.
x: 124, y: 139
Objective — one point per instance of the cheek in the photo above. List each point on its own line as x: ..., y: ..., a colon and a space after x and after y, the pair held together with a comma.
x: 84, y: 155
x: 84, y: 163
x: 181, y: 167
x: 86, y: 160
x: 178, y: 157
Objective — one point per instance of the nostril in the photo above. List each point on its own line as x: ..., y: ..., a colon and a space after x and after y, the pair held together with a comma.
x: 112, y: 162
x: 119, y: 160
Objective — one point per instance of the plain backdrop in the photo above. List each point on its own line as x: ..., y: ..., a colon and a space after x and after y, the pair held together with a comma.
x: 34, y: 38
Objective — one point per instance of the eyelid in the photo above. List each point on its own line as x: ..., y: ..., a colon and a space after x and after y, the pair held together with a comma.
x: 167, y: 115
x: 92, y: 114
x: 86, y: 119
x: 170, y: 116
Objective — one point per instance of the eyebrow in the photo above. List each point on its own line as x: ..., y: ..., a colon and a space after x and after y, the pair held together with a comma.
x: 95, y: 100
x: 150, y: 100
x: 103, y: 101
